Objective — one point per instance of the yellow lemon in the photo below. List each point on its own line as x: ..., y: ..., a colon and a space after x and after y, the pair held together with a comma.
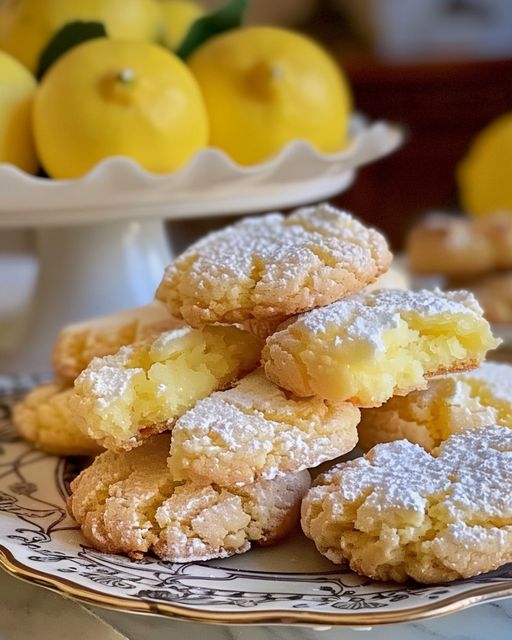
x: 112, y: 97
x: 177, y: 18
x: 485, y: 174
x: 265, y: 86
x: 17, y: 89
x: 26, y: 26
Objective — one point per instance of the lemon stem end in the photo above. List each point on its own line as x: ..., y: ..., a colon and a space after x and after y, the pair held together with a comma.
x: 276, y: 72
x: 126, y: 76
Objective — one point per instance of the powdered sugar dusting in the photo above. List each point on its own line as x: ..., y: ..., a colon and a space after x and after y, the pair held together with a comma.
x: 273, y: 266
x: 365, y: 316
x: 78, y: 344
x: 274, y: 238
x: 437, y: 516
x: 466, y: 463
x: 255, y: 431
x: 108, y: 378
x: 127, y: 503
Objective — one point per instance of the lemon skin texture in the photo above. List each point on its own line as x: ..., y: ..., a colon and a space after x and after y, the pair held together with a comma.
x: 17, y: 90
x: 26, y: 26
x: 177, y: 18
x: 264, y: 87
x: 115, y: 98
x: 485, y: 174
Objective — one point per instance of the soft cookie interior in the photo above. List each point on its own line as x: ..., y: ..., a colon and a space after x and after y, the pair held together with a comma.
x: 77, y: 344
x: 122, y: 399
x: 369, y: 347
x: 450, y: 404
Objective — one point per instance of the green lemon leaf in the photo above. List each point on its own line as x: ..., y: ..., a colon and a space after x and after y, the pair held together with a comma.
x: 69, y: 36
x: 227, y: 17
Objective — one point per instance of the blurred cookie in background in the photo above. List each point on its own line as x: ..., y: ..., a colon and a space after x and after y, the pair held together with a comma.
x: 467, y: 253
x: 460, y: 247
x: 494, y: 293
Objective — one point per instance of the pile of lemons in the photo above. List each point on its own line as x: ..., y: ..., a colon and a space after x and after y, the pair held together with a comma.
x: 248, y: 91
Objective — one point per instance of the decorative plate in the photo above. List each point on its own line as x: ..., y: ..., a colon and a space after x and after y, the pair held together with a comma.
x: 290, y: 583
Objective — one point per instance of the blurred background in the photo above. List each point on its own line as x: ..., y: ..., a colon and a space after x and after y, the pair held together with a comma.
x: 442, y: 68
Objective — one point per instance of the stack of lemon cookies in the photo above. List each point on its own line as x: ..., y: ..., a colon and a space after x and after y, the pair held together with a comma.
x: 266, y: 341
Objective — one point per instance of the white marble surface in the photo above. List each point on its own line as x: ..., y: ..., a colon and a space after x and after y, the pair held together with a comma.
x: 28, y: 611
x: 477, y: 623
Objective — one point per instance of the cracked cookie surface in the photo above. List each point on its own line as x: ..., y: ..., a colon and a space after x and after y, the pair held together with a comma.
x: 257, y: 430
x: 77, y: 344
x: 273, y: 266
x: 127, y: 503
x: 402, y: 513
x: 45, y: 419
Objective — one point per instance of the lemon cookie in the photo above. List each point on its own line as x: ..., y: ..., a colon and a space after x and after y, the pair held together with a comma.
x: 371, y: 346
x: 460, y: 247
x: 497, y: 228
x: 77, y: 344
x: 45, y: 420
x: 274, y: 266
x: 127, y: 503
x: 120, y: 400
x: 401, y: 512
x: 256, y: 430
x: 449, y: 405
x: 449, y: 245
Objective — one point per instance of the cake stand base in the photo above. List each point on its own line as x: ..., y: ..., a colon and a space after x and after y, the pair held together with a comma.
x: 84, y: 272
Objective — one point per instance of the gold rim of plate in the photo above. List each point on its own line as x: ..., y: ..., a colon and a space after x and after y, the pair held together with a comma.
x: 86, y: 595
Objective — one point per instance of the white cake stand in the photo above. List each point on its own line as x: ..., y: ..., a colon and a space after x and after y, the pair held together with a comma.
x: 100, y: 240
